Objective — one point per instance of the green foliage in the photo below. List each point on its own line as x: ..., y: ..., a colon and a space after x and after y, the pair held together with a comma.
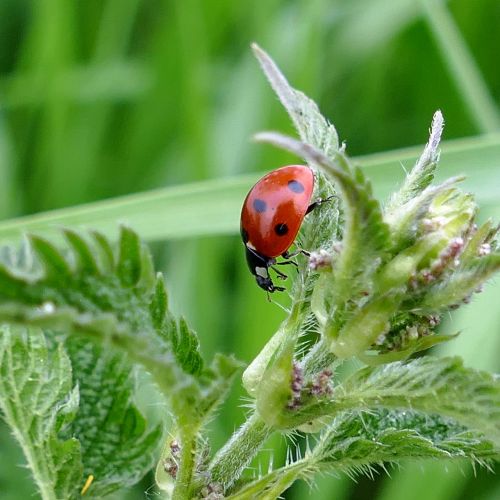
x: 39, y: 401
x: 381, y: 289
x: 115, y: 298
x: 373, y: 278
x: 354, y: 442
x: 376, y: 284
x: 440, y: 386
x: 117, y: 444
x: 361, y: 443
x: 311, y: 125
x: 422, y: 174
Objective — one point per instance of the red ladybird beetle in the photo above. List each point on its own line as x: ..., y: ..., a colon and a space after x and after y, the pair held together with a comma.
x: 271, y: 217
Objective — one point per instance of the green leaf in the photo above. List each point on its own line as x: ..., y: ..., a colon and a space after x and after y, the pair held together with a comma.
x: 124, y: 305
x: 355, y: 442
x: 118, y: 446
x: 312, y: 126
x: 186, y: 347
x: 462, y: 283
x: 39, y: 402
x: 85, y: 260
x: 55, y: 265
x: 404, y: 221
x: 479, y: 243
x: 159, y: 303
x: 104, y: 251
x: 129, y: 259
x: 422, y: 174
x: 441, y: 386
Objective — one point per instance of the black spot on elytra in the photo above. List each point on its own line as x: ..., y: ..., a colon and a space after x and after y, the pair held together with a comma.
x: 281, y: 229
x: 259, y: 205
x: 244, y: 235
x: 296, y: 186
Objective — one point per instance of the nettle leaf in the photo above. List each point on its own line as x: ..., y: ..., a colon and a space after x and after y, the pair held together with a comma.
x: 116, y: 298
x: 480, y: 243
x: 462, y: 283
x: 39, y: 403
x: 118, y: 447
x: 441, y: 386
x: 322, y: 226
x: 405, y: 221
x: 356, y: 443
x: 422, y: 174
x: 311, y: 125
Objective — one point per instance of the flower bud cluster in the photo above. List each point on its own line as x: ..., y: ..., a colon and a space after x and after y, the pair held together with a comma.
x: 386, y: 285
x: 297, y: 383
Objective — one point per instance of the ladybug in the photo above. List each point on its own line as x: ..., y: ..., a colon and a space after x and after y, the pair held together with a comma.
x: 271, y: 217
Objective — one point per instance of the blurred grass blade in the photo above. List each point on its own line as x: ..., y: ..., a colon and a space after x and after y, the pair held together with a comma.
x: 213, y: 207
x: 8, y: 188
x: 196, y: 209
x: 117, y: 81
x: 462, y: 66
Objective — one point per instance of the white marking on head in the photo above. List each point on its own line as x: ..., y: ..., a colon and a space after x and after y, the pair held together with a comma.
x: 262, y: 272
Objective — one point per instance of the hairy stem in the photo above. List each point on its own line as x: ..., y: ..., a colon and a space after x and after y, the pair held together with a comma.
x: 38, y: 466
x: 271, y: 485
x: 318, y: 358
x: 186, y: 466
x: 237, y: 453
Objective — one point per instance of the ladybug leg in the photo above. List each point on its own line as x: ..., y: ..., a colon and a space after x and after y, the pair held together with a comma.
x: 286, y: 262
x: 319, y: 202
x: 281, y: 275
x: 289, y: 255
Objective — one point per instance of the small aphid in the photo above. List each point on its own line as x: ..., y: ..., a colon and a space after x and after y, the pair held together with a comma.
x: 175, y: 448
x: 171, y: 467
x: 320, y: 260
x: 484, y: 249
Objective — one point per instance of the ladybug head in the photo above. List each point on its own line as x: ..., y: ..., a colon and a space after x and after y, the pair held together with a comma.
x: 267, y: 284
x: 259, y: 266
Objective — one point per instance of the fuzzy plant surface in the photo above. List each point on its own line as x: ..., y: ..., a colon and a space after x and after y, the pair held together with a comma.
x: 82, y: 319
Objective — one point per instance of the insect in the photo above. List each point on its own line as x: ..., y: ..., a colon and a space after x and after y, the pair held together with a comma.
x: 271, y: 217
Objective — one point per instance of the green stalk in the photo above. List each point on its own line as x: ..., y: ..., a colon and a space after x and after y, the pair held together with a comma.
x: 229, y: 462
x: 184, y: 477
x: 38, y: 465
x: 271, y: 485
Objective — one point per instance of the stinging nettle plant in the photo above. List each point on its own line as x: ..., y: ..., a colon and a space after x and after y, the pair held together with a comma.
x: 82, y: 320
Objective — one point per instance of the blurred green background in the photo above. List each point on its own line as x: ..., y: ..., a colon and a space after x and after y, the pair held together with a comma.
x: 101, y: 98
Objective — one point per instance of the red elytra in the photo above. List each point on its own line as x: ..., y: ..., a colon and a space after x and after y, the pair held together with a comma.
x: 271, y: 217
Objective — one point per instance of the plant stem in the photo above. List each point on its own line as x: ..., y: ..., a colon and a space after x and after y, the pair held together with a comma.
x: 317, y: 358
x: 186, y: 466
x: 39, y: 466
x: 244, y: 444
x: 273, y: 484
